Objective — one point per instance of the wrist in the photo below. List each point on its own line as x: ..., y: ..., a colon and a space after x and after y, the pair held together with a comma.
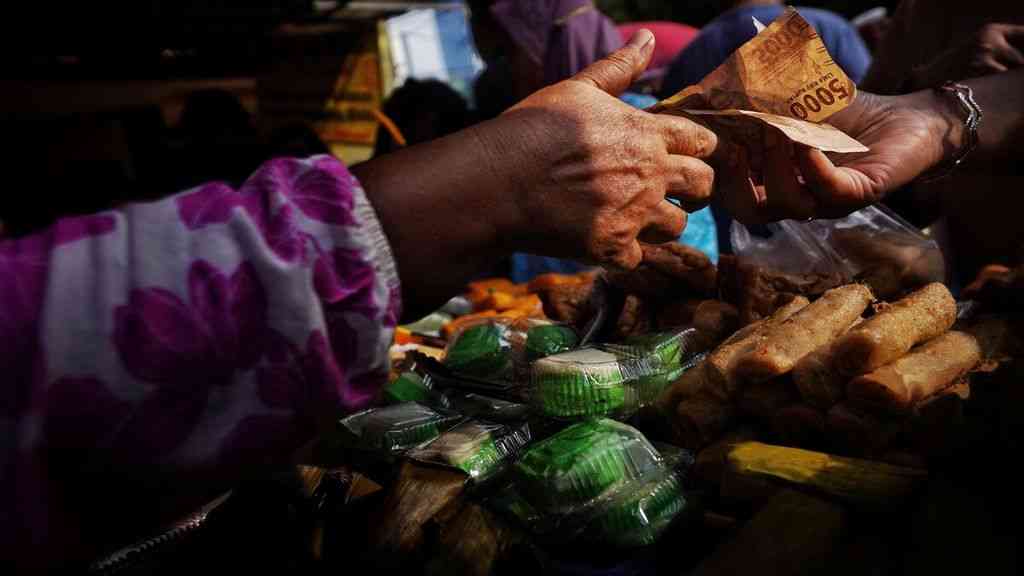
x: 945, y: 124
x: 498, y: 151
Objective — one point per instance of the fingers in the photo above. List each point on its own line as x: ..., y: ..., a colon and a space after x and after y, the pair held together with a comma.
x: 666, y: 224
x: 689, y: 180
x: 616, y: 72
x: 837, y: 190
x: 736, y: 191
x: 628, y: 258
x: 686, y: 137
x: 787, y: 197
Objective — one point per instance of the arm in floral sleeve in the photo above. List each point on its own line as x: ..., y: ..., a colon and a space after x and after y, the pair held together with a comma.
x: 199, y: 336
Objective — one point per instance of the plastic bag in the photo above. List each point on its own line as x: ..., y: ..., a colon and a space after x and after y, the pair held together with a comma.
x: 395, y: 429
x: 883, y: 250
x: 873, y: 245
x: 480, y: 449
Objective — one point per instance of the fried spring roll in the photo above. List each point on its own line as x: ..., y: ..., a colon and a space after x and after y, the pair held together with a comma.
x: 933, y: 366
x: 817, y: 379
x: 721, y: 363
x: 813, y: 326
x: 891, y: 333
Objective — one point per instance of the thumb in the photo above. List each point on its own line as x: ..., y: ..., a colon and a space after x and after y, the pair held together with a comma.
x: 617, y: 71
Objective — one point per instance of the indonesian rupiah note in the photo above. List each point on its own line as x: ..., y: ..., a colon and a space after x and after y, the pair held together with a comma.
x: 783, y: 77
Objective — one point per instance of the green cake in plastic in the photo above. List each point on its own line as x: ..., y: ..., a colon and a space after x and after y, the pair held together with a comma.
x: 639, y: 516
x: 655, y: 359
x: 397, y: 428
x: 479, y: 350
x: 408, y: 387
x: 665, y: 347
x: 543, y: 341
x: 582, y: 383
x: 583, y: 461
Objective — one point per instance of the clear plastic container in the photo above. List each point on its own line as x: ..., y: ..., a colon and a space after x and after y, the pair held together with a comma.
x: 480, y: 449
x: 500, y: 348
x: 395, y: 429
x: 577, y: 465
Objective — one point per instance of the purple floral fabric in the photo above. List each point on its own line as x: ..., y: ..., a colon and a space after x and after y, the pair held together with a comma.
x: 208, y: 332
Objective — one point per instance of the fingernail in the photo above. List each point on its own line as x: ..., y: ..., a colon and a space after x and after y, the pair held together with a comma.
x: 643, y: 39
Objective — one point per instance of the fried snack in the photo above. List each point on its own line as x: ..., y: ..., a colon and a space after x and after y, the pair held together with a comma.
x: 695, y: 415
x: 721, y: 363
x: 895, y: 388
x: 762, y: 400
x: 685, y: 264
x: 896, y: 329
x: 810, y: 328
x: 716, y: 319
x: 799, y: 425
x: 757, y: 291
x: 858, y: 433
x: 569, y: 303
x: 634, y: 320
x: 817, y: 379
x: 545, y: 282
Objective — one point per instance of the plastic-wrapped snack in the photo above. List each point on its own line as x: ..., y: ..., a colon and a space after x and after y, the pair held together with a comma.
x: 481, y: 349
x: 585, y: 383
x: 408, y: 387
x: 480, y: 449
x: 499, y: 348
x: 570, y: 469
x: 639, y: 515
x: 486, y: 407
x: 543, y: 341
x: 395, y: 429
x: 666, y: 355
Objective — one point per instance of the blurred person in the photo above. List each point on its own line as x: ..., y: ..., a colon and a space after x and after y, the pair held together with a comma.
x: 872, y: 26
x: 672, y: 38
x: 422, y: 110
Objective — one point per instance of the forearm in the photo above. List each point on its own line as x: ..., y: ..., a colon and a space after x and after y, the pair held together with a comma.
x: 446, y: 207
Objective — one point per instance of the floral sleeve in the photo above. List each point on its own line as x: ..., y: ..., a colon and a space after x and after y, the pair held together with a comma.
x: 206, y: 331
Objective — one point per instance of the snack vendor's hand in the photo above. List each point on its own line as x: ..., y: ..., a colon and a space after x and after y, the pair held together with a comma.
x: 994, y: 48
x: 907, y: 136
x: 592, y: 173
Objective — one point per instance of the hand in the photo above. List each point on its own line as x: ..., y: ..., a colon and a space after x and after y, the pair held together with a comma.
x: 992, y: 49
x: 907, y: 135
x: 591, y: 174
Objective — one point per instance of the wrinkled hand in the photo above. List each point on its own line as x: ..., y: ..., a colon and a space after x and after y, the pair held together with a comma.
x: 592, y: 173
x: 992, y: 49
x: 907, y: 135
